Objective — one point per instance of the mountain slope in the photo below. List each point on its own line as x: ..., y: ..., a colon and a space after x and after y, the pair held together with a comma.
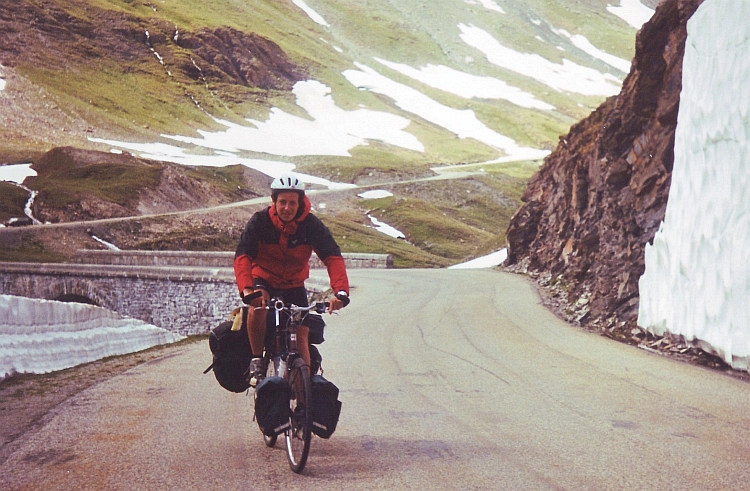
x: 350, y: 91
x: 136, y: 69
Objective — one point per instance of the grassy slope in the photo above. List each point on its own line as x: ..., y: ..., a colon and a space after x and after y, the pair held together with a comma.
x: 111, y: 182
x: 143, y: 99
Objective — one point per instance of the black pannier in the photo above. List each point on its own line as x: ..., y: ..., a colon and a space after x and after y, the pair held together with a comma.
x: 317, y: 326
x: 326, y: 407
x: 231, y: 356
x: 272, y: 409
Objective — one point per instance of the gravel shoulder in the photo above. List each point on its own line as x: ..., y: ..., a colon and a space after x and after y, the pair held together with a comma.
x: 28, y: 401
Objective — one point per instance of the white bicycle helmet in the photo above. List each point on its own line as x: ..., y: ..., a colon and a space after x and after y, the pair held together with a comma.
x: 287, y: 182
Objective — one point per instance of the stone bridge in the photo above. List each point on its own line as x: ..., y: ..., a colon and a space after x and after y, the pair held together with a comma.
x: 184, y: 292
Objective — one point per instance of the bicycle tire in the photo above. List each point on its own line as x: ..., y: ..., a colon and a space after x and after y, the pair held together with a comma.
x: 272, y: 371
x: 298, y: 437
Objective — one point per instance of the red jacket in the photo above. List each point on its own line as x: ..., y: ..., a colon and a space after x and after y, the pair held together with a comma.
x: 277, y: 254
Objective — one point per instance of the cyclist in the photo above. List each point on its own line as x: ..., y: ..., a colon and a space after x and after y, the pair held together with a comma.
x: 273, y: 257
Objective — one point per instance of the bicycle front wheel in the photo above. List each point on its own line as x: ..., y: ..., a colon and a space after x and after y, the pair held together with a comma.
x: 299, y: 435
x: 272, y: 371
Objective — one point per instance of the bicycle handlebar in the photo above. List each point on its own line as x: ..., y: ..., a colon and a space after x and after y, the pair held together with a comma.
x: 278, y: 304
x: 319, y: 307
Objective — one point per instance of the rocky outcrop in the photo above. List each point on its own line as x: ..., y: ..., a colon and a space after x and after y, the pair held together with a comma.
x: 51, y: 35
x: 602, y: 193
x: 226, y: 55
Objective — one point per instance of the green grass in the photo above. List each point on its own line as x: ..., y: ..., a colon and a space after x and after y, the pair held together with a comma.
x: 354, y: 237
x: 198, y: 238
x: 30, y: 252
x: 227, y: 180
x: 110, y: 182
x: 454, y: 219
x: 428, y: 227
x: 12, y: 201
x: 522, y: 169
x: 396, y: 163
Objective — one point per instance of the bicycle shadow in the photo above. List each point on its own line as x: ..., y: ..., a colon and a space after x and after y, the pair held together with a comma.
x: 366, y: 457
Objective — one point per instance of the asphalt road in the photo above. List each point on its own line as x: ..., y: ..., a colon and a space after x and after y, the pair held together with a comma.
x: 449, y: 380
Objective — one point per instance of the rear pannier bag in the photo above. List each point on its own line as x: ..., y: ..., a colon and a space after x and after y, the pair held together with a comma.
x: 326, y: 407
x: 231, y: 356
x: 272, y: 411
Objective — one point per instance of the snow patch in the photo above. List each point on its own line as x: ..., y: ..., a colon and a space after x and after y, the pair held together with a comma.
x: 385, y: 228
x: 16, y: 172
x: 329, y: 131
x: 488, y: 4
x: 569, y: 76
x: 316, y: 17
x: 462, y: 122
x: 582, y: 43
x: 632, y: 11
x: 697, y: 278
x: 375, y: 194
x: 109, y: 246
x: 179, y: 155
x: 488, y: 261
x: 41, y: 336
x: 467, y: 85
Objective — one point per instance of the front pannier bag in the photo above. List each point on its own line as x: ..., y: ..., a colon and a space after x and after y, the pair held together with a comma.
x: 272, y: 411
x: 231, y: 356
x: 326, y: 407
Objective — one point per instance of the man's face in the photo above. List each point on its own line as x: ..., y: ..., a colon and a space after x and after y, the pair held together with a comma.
x: 287, y: 204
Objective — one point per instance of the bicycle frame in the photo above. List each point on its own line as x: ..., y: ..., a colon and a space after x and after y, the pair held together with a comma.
x: 285, y: 331
x: 288, y: 363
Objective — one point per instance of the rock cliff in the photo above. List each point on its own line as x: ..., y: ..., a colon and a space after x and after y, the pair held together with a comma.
x: 602, y: 193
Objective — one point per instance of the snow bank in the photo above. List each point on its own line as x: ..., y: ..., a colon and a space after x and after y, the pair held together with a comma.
x: 697, y: 278
x: 488, y: 261
x: 40, y: 336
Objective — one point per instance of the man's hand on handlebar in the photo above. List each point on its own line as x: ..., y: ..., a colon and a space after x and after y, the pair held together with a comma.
x: 261, y: 300
x: 338, y: 301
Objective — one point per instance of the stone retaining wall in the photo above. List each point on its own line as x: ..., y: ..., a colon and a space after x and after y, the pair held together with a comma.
x: 184, y: 292
x: 183, y: 300
x: 210, y: 259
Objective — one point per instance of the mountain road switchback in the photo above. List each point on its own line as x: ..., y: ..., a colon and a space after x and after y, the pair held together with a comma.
x: 450, y: 379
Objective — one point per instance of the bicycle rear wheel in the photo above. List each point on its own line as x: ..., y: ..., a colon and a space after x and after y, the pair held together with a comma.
x: 299, y: 435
